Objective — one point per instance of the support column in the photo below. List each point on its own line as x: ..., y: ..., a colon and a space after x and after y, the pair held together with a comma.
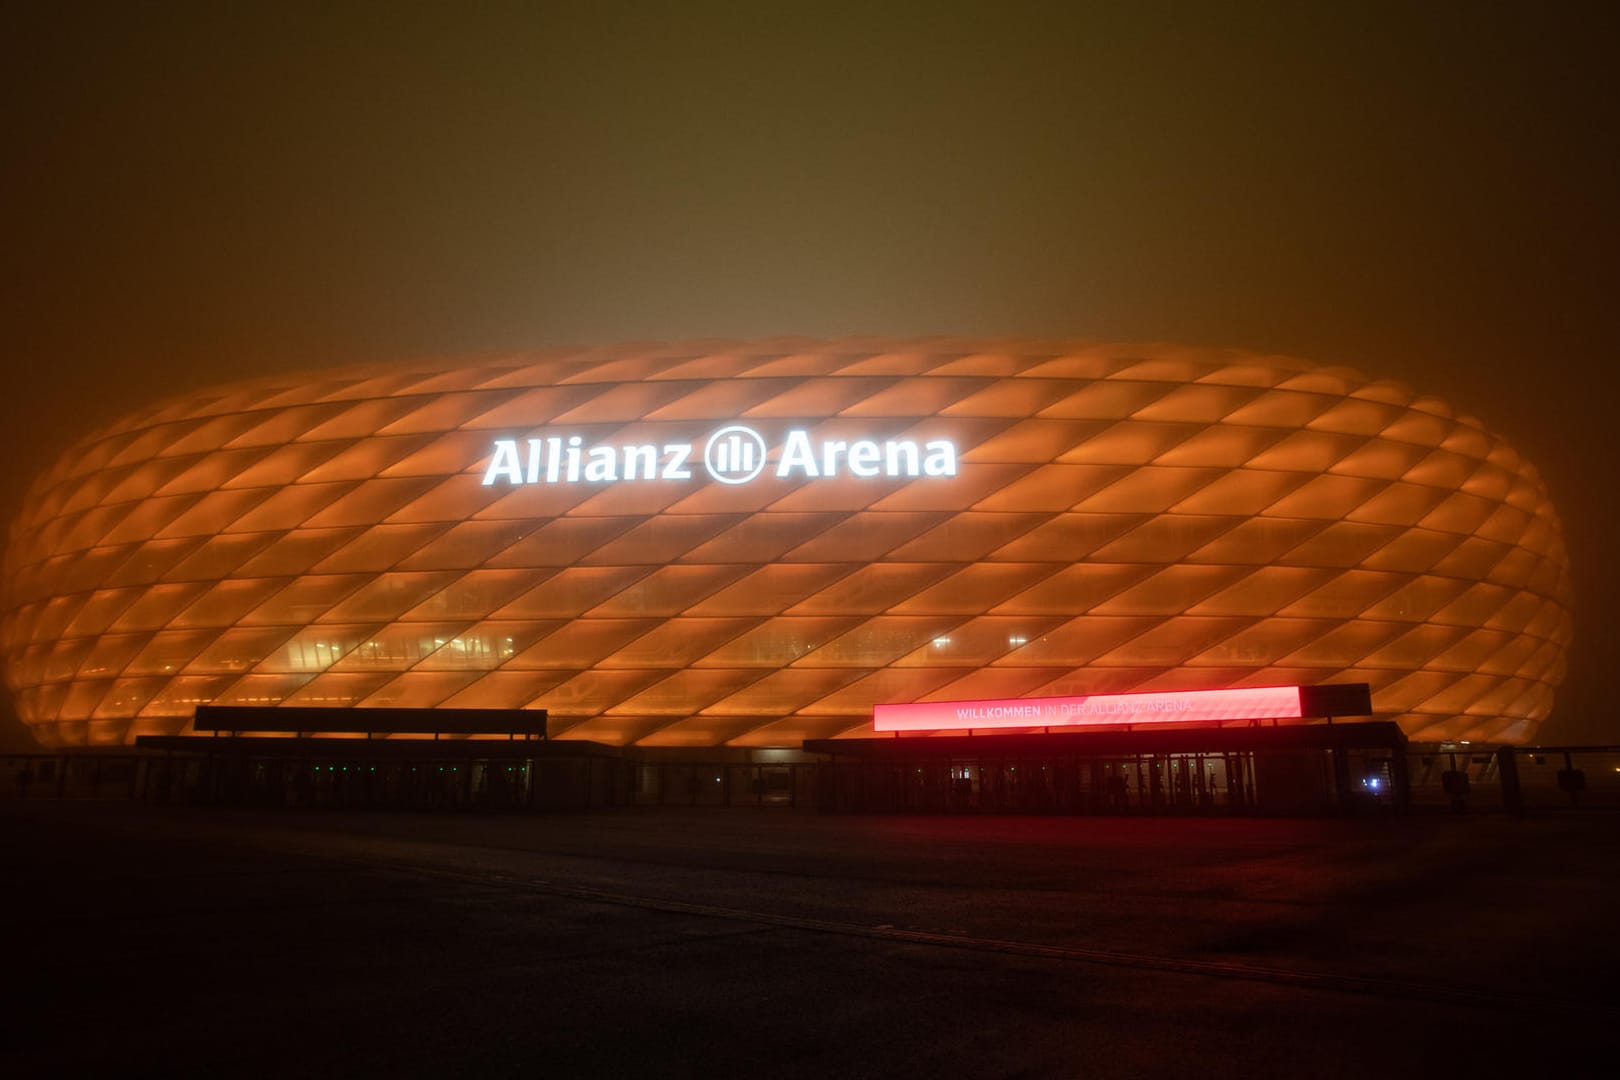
x: 1400, y: 776
x: 1507, y: 767
x: 1341, y: 777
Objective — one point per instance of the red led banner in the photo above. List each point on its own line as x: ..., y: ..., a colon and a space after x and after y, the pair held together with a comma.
x: 1178, y: 707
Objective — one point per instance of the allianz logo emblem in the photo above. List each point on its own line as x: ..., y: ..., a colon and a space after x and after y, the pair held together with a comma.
x: 734, y: 454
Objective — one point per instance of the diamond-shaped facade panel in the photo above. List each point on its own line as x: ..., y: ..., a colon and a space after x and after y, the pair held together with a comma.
x: 754, y: 543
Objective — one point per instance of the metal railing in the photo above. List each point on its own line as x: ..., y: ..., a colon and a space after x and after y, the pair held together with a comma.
x: 1519, y: 779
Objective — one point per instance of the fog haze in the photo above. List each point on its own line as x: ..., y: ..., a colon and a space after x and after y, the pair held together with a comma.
x: 197, y: 194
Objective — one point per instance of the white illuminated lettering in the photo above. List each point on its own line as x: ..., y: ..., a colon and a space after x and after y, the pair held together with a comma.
x: 603, y: 465
x: 504, y: 463
x: 796, y: 454
x: 675, y: 461
x: 534, y: 461
x: 732, y: 455
x: 553, y: 460
x: 863, y: 458
x: 641, y: 461
x: 904, y: 449
x: 573, y: 459
x: 829, y: 457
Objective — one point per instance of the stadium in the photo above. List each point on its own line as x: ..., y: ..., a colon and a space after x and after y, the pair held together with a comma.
x: 751, y: 545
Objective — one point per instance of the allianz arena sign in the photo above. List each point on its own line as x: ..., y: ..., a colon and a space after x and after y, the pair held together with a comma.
x: 734, y: 454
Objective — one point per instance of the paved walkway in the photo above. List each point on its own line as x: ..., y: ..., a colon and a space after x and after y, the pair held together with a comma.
x: 679, y: 942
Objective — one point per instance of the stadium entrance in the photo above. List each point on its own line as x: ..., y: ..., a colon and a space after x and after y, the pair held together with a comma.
x: 1300, y: 769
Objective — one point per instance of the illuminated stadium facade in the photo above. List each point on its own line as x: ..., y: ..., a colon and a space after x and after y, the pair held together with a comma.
x: 754, y: 544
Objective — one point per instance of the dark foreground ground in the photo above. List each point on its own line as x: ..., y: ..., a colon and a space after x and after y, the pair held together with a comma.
x: 148, y: 941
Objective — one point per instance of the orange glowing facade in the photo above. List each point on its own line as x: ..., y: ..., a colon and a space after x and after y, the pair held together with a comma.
x: 753, y: 544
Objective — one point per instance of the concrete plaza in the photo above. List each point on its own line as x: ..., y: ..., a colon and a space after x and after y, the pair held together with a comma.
x: 663, y: 942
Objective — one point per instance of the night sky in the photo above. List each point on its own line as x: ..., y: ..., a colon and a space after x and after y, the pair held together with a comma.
x: 1425, y: 192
